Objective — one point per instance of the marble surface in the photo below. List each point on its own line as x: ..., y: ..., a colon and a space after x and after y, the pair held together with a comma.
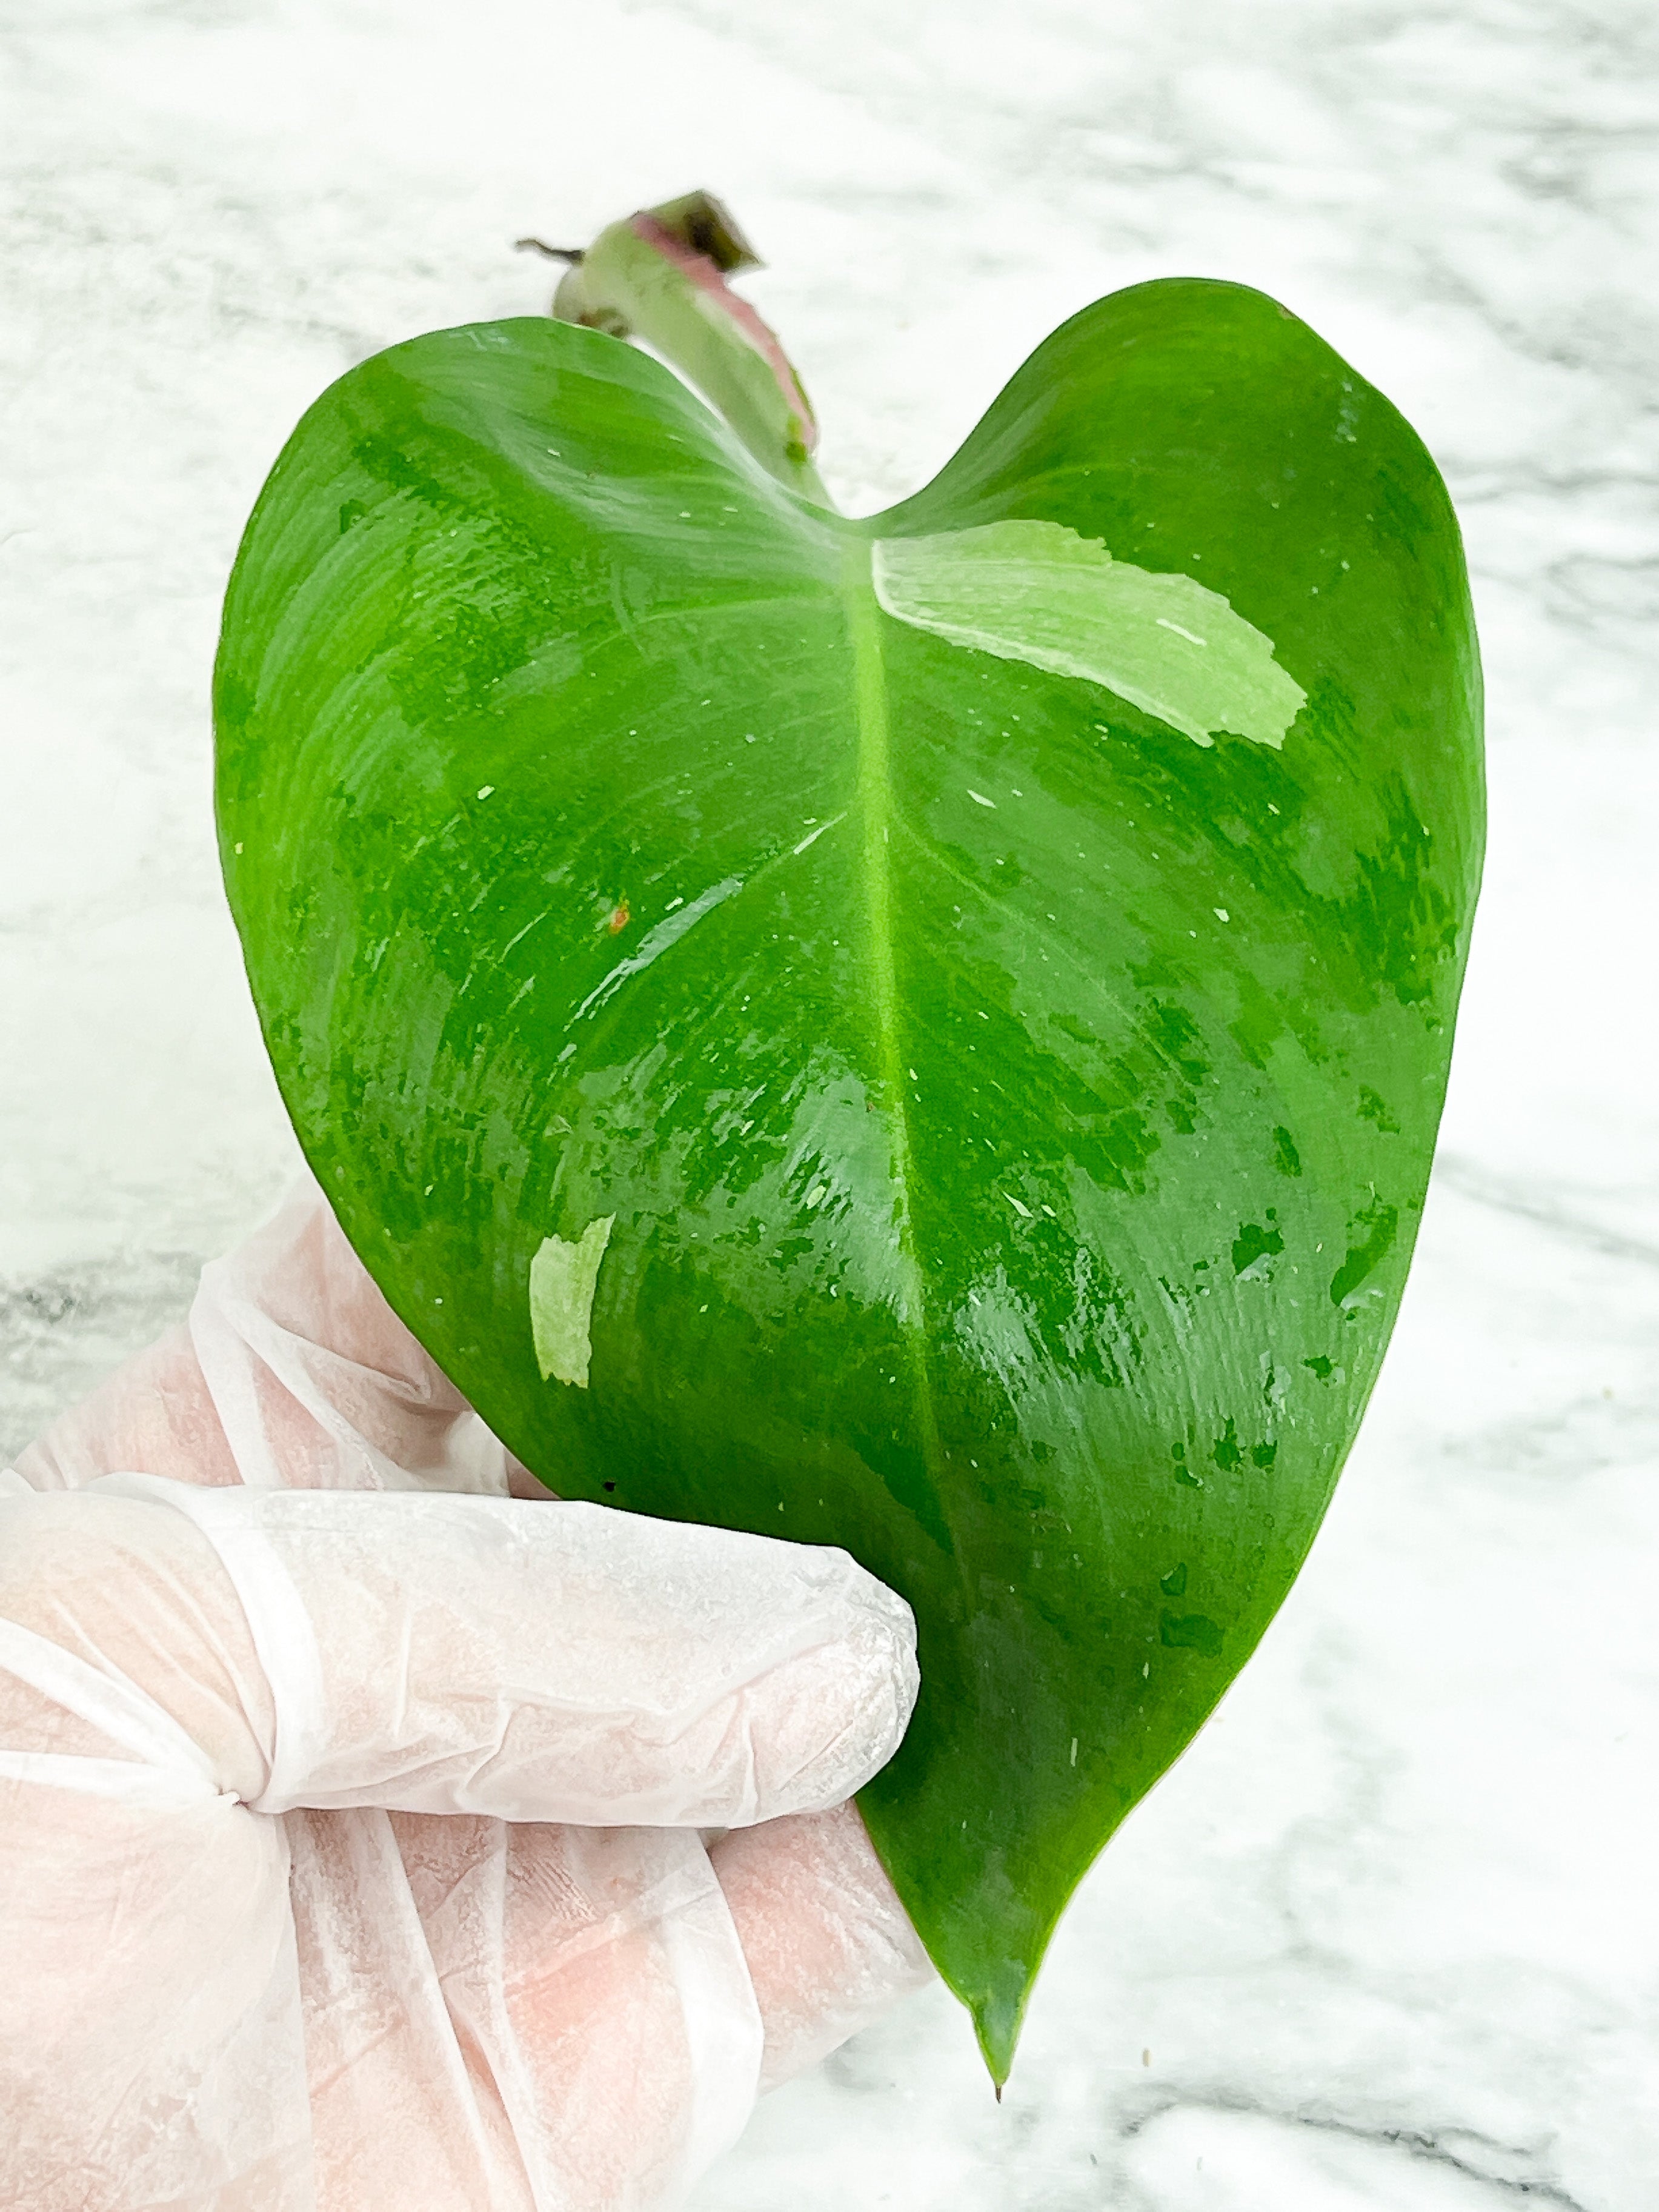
x: 1386, y: 1941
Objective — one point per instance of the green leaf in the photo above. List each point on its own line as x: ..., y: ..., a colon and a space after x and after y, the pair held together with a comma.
x: 870, y: 1031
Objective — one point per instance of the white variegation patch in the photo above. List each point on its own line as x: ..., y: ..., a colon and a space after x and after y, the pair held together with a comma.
x: 563, y: 1276
x: 1037, y: 592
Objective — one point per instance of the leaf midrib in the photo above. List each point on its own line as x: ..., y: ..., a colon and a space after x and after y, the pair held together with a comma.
x: 875, y: 804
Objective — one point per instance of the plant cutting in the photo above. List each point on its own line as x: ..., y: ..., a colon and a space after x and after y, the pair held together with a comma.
x: 923, y: 1032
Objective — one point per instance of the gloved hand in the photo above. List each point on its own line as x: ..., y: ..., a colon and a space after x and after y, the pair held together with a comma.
x: 353, y: 1845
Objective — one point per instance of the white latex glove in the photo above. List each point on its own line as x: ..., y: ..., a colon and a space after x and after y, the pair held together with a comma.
x: 350, y: 1850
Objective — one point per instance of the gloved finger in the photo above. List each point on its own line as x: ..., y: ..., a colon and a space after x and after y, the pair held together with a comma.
x: 829, y: 1947
x: 154, y: 1411
x: 592, y: 1973
x: 317, y: 1383
x: 490, y: 2013
x: 531, y: 1662
x: 293, y: 1372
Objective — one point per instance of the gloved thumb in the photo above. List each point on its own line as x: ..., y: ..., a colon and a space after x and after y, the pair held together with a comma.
x: 527, y: 1661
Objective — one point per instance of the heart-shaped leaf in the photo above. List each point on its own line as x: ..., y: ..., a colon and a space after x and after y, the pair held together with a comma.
x: 925, y: 1034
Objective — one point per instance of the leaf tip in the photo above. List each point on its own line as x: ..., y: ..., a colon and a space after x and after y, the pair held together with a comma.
x: 999, y: 2014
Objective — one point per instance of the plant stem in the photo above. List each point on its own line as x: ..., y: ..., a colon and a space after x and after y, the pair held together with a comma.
x: 660, y: 275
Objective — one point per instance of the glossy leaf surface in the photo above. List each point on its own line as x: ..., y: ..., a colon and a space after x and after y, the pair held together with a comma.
x: 805, y: 1051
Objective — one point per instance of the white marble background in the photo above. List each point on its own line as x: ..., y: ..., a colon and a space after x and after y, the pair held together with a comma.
x: 1386, y: 1941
